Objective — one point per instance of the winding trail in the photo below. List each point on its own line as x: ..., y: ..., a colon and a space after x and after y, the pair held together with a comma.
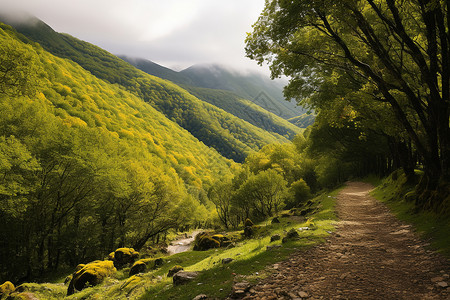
x: 372, y: 255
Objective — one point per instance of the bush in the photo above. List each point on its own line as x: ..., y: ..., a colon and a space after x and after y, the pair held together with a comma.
x: 299, y: 193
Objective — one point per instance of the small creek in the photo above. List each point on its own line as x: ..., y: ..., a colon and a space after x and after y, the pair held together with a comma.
x: 182, y: 244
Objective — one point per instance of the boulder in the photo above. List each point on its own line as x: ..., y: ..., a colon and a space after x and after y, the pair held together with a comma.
x: 124, y: 256
x: 270, y: 247
x: 240, y: 289
x: 206, y: 243
x: 68, y: 279
x: 291, y: 235
x: 200, y: 297
x: 275, y: 220
x: 91, y: 274
x: 6, y: 288
x: 275, y: 237
x: 174, y: 270
x: 227, y: 260
x: 184, y: 277
x: 248, y: 231
x: 137, y: 267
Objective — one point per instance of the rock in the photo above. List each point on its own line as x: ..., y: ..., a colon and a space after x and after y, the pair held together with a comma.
x: 91, y: 274
x: 125, y: 256
x: 68, y: 279
x: 303, y: 294
x: 291, y: 235
x: 248, y: 223
x: 200, y: 297
x: 442, y: 284
x: 275, y: 237
x: 437, y: 279
x: 184, y: 277
x: 220, y: 238
x: 248, y: 231
x: 158, y: 262
x: 206, y: 243
x: 275, y: 220
x: 174, y: 270
x: 240, y: 289
x: 22, y: 296
x: 137, y: 267
x: 271, y: 247
x: 6, y: 288
x: 227, y: 260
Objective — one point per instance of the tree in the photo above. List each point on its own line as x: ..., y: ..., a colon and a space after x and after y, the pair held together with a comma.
x: 396, y: 53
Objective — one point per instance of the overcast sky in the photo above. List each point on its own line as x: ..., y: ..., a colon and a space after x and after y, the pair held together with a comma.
x: 174, y: 33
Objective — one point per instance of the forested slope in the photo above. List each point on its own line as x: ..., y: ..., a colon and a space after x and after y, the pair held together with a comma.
x: 87, y: 166
x: 232, y: 137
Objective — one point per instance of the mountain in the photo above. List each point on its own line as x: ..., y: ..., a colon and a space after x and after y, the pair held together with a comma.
x: 251, y: 86
x: 232, y: 137
x: 224, y: 99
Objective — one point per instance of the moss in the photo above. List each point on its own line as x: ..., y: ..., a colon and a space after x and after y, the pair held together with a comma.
x: 6, y: 288
x: 91, y: 274
x: 131, y: 283
x: 22, y: 296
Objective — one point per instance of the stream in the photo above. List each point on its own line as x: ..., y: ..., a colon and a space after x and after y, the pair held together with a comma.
x: 182, y: 244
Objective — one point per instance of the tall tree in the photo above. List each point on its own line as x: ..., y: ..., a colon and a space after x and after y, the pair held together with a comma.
x: 393, y: 52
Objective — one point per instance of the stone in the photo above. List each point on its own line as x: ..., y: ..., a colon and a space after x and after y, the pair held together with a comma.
x: 227, y: 260
x: 248, y: 231
x: 182, y: 277
x: 174, y: 270
x: 275, y: 220
x: 200, y: 297
x: 240, y: 289
x: 271, y: 247
x: 124, y: 256
x: 442, y: 284
x: 437, y: 279
x: 138, y: 267
x: 275, y: 237
x: 22, y: 296
x: 303, y: 294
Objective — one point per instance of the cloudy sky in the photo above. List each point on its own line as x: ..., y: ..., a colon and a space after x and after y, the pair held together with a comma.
x: 174, y: 33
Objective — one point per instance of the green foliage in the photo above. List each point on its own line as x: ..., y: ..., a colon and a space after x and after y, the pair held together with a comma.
x: 300, y: 192
x: 229, y: 135
x: 88, y: 167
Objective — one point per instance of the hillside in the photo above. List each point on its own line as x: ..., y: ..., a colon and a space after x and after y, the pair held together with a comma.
x: 246, y: 86
x: 224, y: 99
x: 229, y: 135
x: 84, y: 162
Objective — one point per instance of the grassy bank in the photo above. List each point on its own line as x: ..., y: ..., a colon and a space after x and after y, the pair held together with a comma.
x: 399, y: 197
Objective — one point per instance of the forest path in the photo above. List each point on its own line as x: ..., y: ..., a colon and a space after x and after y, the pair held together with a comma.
x: 372, y: 255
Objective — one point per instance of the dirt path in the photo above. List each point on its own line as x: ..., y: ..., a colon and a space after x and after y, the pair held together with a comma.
x: 371, y: 256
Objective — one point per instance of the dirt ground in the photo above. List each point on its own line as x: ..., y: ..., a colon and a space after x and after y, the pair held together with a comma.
x: 372, y: 255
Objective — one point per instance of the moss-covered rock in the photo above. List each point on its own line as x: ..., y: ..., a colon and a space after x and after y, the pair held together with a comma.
x: 6, y: 288
x: 291, y: 235
x: 248, y: 231
x: 138, y: 267
x: 248, y: 223
x: 68, y: 279
x: 22, y: 296
x: 91, y: 274
x: 175, y: 269
x: 206, y: 243
x: 125, y: 256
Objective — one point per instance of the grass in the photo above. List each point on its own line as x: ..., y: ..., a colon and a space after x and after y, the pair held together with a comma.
x: 251, y: 262
x: 431, y: 226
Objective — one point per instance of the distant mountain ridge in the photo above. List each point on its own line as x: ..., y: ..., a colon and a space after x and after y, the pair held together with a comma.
x: 213, y: 76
